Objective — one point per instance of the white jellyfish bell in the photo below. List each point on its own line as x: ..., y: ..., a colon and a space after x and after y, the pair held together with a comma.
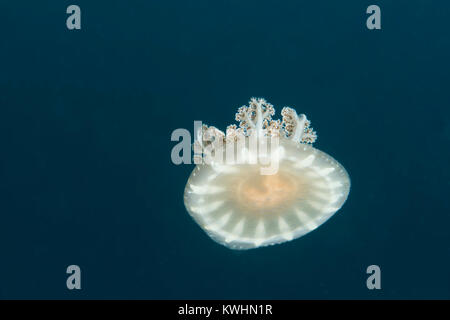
x: 262, y: 183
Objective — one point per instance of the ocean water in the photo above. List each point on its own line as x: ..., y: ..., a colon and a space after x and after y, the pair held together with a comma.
x: 86, y: 118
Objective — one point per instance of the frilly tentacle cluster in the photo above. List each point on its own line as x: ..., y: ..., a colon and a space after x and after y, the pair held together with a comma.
x: 297, y: 127
x: 256, y: 119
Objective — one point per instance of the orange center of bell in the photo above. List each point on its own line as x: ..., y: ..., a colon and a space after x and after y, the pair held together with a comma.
x: 267, y: 191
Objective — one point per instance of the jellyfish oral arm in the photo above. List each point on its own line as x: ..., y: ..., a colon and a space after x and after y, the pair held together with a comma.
x: 300, y: 127
x: 297, y: 126
x: 256, y: 116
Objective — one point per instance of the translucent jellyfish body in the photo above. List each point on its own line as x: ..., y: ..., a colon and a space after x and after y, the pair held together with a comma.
x: 262, y: 183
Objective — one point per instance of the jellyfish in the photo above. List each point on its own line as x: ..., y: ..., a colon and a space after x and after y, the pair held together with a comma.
x: 241, y: 204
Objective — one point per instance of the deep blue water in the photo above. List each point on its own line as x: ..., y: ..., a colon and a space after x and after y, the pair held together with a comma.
x: 85, y: 124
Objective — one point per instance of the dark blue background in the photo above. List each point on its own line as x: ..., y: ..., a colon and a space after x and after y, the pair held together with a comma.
x: 85, y: 123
